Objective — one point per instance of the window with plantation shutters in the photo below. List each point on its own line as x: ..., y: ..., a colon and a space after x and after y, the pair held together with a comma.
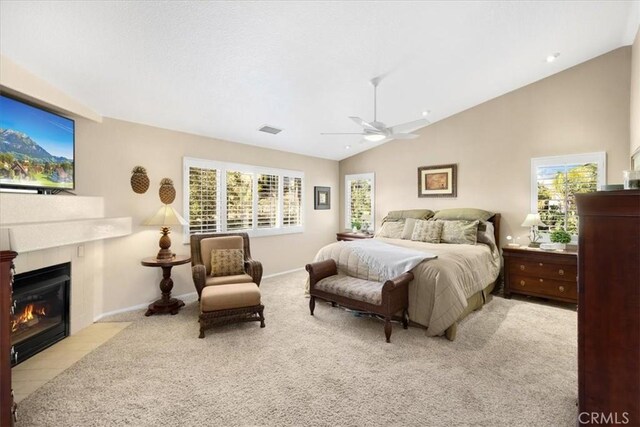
x: 555, y: 181
x: 222, y: 197
x: 291, y: 201
x: 268, y: 200
x: 239, y: 201
x: 203, y: 200
x: 359, y: 201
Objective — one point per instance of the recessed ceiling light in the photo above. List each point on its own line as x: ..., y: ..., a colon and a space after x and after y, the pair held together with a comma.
x: 347, y: 147
x: 426, y: 113
x: 553, y: 57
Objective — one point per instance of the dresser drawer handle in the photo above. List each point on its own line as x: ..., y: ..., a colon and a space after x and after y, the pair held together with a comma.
x: 521, y: 282
x: 540, y: 264
x: 561, y: 288
x: 541, y: 280
x: 521, y: 267
x: 561, y: 272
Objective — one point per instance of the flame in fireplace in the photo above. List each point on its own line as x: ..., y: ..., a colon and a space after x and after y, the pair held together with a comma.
x: 27, y: 317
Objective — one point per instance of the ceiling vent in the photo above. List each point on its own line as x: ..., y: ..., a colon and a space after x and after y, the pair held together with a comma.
x: 270, y: 129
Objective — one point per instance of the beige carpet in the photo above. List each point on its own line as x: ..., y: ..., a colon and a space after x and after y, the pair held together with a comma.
x: 513, y: 363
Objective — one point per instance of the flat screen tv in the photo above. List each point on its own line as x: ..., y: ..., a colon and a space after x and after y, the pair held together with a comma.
x: 36, y: 147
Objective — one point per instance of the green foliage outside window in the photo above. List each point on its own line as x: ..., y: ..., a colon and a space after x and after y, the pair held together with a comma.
x: 557, y: 187
x: 239, y: 201
x: 203, y: 212
x: 360, y: 200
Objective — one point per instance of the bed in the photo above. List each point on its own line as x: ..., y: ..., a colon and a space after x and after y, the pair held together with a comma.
x: 446, y: 289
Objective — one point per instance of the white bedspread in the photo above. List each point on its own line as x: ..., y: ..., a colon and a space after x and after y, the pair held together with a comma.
x: 387, y: 260
x: 440, y: 288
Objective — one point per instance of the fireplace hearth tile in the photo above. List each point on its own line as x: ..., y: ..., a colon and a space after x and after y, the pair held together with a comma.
x: 33, y: 373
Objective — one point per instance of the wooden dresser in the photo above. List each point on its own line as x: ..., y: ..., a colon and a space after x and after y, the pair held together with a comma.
x: 348, y: 235
x: 7, y: 406
x: 539, y: 273
x: 609, y: 306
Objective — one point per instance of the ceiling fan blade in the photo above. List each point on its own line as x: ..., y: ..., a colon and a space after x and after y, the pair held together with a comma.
x: 409, y: 126
x: 403, y: 136
x: 342, y: 133
x: 364, y: 124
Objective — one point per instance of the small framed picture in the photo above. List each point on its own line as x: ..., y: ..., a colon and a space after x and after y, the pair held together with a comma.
x: 322, y: 198
x: 437, y: 181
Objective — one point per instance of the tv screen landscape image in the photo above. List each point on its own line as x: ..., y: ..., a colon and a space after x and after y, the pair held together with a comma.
x: 36, y: 147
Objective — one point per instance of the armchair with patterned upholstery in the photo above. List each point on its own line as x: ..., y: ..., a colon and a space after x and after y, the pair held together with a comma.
x: 201, y: 247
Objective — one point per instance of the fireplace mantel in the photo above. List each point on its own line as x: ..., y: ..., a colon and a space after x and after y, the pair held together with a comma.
x: 31, y: 222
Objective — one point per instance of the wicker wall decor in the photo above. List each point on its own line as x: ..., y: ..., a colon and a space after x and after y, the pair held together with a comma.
x: 167, y: 191
x: 139, y: 180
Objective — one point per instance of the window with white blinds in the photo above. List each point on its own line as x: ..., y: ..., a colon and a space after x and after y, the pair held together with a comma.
x: 555, y: 181
x: 203, y: 200
x: 268, y: 200
x: 359, y: 201
x: 239, y: 200
x: 291, y: 201
x: 223, y: 197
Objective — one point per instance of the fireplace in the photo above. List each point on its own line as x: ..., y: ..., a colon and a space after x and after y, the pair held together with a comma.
x: 41, y: 309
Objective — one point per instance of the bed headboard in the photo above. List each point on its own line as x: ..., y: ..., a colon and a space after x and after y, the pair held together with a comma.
x: 495, y: 220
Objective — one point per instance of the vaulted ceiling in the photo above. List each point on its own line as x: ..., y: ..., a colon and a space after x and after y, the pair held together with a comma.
x: 224, y: 69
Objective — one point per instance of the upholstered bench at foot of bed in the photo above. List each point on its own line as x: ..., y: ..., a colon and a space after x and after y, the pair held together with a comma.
x: 382, y: 298
x: 222, y: 304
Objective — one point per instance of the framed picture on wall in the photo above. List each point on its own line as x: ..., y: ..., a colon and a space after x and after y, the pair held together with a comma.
x: 437, y: 181
x: 322, y: 198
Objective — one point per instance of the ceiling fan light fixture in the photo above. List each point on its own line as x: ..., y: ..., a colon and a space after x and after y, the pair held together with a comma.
x: 374, y: 137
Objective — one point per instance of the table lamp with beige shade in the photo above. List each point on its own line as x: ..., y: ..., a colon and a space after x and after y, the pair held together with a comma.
x: 165, y: 218
x: 533, y: 220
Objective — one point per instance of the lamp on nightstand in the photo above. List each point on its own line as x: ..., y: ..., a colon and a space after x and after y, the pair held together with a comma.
x: 533, y: 220
x: 165, y: 218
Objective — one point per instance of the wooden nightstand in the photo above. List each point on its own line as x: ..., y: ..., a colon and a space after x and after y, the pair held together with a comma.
x: 539, y: 273
x: 348, y: 235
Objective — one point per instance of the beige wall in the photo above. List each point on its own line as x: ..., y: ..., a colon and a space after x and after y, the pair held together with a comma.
x: 635, y: 98
x: 583, y: 109
x: 105, y: 154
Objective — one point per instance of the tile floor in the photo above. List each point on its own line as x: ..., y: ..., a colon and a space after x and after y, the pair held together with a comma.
x: 29, y: 375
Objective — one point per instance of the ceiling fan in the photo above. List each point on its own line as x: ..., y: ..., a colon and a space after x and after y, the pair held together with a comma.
x: 376, y: 131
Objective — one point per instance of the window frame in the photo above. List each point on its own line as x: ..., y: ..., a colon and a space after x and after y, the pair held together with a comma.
x: 222, y: 168
x: 347, y: 197
x: 598, y: 157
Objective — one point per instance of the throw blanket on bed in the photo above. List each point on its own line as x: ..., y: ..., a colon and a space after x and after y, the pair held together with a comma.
x: 387, y: 260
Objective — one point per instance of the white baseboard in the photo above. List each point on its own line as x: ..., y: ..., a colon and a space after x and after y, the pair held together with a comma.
x: 183, y: 296
x: 140, y: 306
x: 282, y: 273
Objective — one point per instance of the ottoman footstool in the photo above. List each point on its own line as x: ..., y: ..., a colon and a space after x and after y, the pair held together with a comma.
x: 223, y: 304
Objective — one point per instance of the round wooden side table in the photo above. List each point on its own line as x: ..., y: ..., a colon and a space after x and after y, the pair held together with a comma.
x: 166, y: 304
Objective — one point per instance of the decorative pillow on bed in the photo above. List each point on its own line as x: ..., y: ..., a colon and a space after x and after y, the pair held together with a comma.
x: 427, y: 231
x: 486, y: 236
x: 468, y: 214
x: 460, y: 232
x: 407, y: 231
x: 409, y: 213
x: 392, y: 230
x: 227, y: 262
